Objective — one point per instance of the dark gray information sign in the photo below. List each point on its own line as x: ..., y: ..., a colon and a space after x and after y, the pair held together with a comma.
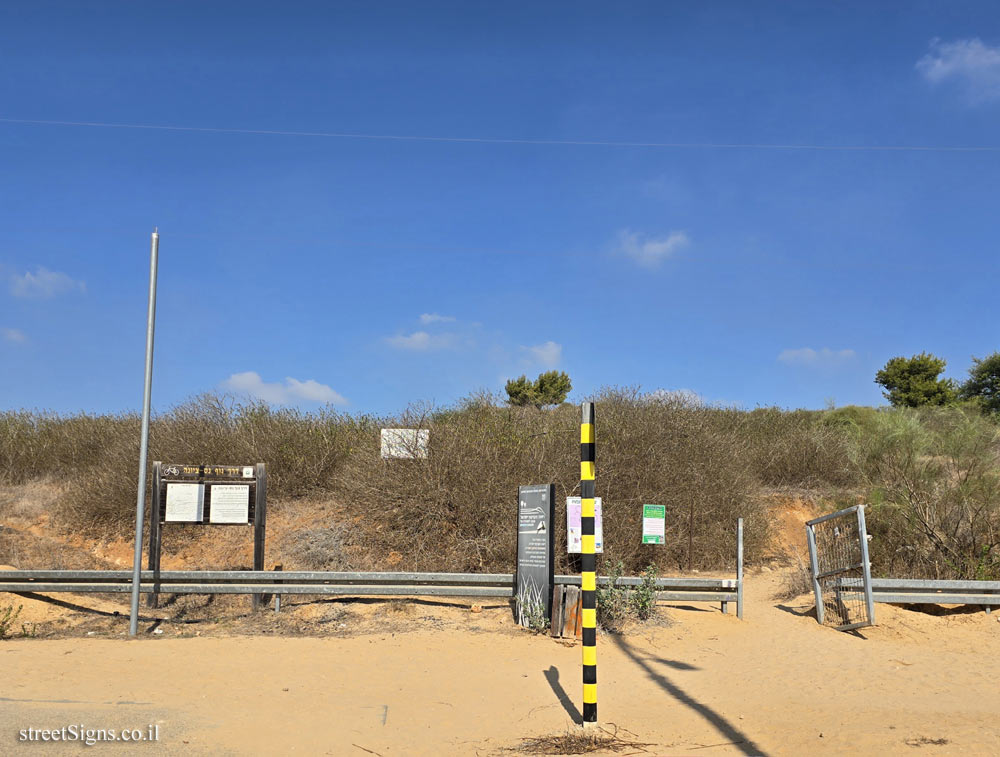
x: 535, y: 553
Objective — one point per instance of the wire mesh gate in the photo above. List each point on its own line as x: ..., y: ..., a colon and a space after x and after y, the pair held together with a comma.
x: 841, y: 571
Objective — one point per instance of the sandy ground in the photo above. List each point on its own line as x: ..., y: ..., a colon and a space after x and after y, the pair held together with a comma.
x: 449, y: 681
x: 346, y: 676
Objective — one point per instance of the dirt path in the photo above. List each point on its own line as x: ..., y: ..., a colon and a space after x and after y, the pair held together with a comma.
x: 774, y: 683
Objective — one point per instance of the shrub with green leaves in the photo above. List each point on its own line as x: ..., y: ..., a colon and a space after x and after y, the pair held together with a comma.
x: 934, y: 483
x: 8, y: 616
x: 619, y: 605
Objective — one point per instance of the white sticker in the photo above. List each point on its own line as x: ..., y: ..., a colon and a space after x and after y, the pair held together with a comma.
x: 574, y: 525
x: 247, y: 472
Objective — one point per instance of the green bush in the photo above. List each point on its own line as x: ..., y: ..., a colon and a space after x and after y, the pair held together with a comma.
x: 8, y: 616
x: 618, y: 605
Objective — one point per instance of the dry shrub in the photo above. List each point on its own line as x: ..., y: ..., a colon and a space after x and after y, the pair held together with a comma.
x: 316, y: 549
x: 26, y: 551
x: 796, y: 581
x: 934, y: 478
x: 798, y: 448
x: 456, y: 510
x: 36, y: 444
x: 303, y: 452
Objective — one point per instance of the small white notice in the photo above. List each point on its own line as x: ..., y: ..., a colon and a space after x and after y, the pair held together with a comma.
x: 574, y: 526
x: 229, y: 503
x: 185, y: 503
x: 405, y: 443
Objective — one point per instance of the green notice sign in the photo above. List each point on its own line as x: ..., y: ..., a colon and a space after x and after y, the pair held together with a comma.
x: 654, y: 524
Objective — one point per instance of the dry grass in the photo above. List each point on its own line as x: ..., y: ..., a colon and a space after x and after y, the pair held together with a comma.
x: 455, y: 510
x: 933, y: 477
x: 796, y: 581
x: 580, y: 741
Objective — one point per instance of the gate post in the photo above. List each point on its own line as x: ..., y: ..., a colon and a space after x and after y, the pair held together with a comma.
x: 866, y: 566
x: 814, y: 570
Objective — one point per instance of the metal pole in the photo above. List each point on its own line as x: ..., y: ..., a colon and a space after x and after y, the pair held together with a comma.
x: 866, y: 566
x: 691, y: 536
x: 588, y: 564
x: 140, y: 503
x: 814, y: 569
x: 739, y: 568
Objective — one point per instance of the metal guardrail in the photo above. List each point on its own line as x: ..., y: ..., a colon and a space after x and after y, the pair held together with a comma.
x: 500, y: 585
x: 919, y: 591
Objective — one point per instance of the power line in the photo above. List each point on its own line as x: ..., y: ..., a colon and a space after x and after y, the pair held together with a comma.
x: 504, y: 141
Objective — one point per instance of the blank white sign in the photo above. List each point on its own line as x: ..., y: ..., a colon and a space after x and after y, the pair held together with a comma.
x: 405, y: 442
x: 230, y: 503
x: 185, y: 503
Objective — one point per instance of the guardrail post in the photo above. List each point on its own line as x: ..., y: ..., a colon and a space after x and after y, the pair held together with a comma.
x: 277, y: 597
x: 739, y: 568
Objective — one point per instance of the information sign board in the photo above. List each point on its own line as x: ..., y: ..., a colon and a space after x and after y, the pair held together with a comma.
x: 654, y: 524
x: 535, y: 552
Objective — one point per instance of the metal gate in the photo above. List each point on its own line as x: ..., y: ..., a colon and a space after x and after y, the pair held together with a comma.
x: 841, y: 571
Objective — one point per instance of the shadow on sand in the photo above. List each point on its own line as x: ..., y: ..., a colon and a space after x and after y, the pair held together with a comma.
x: 735, y: 736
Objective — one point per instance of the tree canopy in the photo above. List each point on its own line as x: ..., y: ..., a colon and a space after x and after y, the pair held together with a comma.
x: 984, y: 382
x: 914, y: 381
x: 550, y: 388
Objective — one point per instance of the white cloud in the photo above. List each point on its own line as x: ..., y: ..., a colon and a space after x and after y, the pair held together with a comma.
x: 13, y: 335
x: 421, y: 341
x: 649, y: 252
x: 547, y: 354
x: 426, y: 318
x: 44, y: 283
x: 810, y: 358
x: 970, y: 63
x: 287, y: 393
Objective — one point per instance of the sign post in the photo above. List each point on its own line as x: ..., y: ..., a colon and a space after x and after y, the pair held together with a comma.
x: 535, y: 574
x: 588, y: 564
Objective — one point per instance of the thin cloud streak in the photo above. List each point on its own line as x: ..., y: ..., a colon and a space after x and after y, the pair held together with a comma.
x: 499, y: 141
x: 15, y: 336
x: 807, y: 357
x: 44, y: 284
x: 421, y: 341
x: 547, y: 354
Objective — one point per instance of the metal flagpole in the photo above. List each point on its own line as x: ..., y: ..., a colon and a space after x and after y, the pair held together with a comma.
x: 140, y: 504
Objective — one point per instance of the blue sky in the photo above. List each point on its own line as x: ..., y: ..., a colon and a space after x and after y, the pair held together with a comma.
x: 652, y: 194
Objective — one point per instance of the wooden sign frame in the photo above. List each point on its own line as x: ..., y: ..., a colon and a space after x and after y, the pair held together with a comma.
x: 207, y: 476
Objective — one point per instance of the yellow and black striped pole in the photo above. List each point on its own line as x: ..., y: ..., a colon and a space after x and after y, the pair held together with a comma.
x: 588, y: 564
